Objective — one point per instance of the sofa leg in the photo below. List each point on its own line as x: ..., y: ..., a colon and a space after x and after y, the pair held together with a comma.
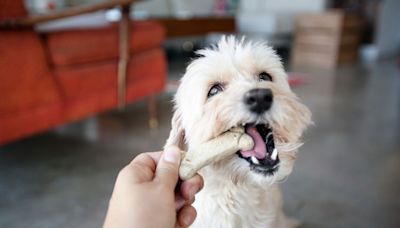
x: 152, y: 109
x: 124, y: 37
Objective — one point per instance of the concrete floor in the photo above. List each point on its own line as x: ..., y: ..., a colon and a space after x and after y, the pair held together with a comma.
x: 347, y: 174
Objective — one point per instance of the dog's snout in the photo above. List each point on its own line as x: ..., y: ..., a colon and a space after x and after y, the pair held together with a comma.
x: 258, y: 100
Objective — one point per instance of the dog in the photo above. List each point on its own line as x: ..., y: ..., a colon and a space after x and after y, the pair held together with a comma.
x: 240, y: 83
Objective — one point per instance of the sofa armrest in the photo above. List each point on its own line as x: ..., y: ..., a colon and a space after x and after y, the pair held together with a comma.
x: 73, y: 11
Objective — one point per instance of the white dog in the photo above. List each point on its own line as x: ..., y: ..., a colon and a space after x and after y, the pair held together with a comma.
x: 238, y: 83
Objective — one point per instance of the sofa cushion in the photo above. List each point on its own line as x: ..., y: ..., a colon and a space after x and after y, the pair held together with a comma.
x: 11, y: 9
x: 79, y: 81
x: 98, y: 44
x: 146, y: 75
x: 25, y: 80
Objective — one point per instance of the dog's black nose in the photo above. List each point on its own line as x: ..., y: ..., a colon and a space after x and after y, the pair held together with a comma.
x: 258, y: 100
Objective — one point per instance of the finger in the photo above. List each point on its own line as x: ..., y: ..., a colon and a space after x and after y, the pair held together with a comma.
x: 142, y: 168
x: 167, y: 168
x: 155, y: 156
x: 191, y: 201
x: 191, y: 187
x: 147, y: 159
x: 186, y: 216
x: 179, y: 202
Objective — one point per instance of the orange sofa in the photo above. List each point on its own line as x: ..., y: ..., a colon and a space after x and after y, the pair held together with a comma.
x: 55, y: 78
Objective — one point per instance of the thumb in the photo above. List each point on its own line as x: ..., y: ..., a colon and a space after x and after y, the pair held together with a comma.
x: 167, y: 171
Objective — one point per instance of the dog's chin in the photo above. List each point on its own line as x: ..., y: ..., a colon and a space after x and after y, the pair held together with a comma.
x: 239, y: 171
x: 245, y: 171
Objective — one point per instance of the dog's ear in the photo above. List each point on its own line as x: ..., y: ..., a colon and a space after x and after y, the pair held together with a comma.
x: 177, y: 133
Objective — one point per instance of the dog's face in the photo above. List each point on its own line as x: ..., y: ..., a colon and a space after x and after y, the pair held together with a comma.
x: 241, y: 84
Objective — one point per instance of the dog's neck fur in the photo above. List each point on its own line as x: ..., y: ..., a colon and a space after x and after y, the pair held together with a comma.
x: 223, y: 203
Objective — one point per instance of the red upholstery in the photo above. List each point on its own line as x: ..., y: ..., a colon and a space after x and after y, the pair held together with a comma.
x: 82, y: 80
x: 77, y: 81
x: 25, y: 79
x: 12, y: 9
x: 72, y: 74
x: 143, y: 76
x: 97, y: 44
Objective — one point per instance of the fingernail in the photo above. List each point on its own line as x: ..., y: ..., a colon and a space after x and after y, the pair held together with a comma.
x: 192, y: 191
x: 188, y: 219
x: 171, y: 154
x: 179, y: 203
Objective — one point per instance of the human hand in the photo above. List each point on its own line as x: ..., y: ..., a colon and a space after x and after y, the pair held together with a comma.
x: 145, y: 193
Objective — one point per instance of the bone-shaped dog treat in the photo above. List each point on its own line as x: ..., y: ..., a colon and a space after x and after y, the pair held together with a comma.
x: 214, y: 150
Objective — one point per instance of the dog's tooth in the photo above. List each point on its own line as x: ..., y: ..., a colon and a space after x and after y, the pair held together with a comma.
x: 268, y: 135
x: 274, y: 154
x: 254, y: 160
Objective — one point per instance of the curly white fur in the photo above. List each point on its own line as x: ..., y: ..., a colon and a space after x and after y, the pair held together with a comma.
x: 233, y: 195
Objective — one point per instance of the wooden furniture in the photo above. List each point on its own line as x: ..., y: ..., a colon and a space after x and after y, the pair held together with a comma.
x: 196, y: 26
x: 58, y: 77
x: 326, y: 39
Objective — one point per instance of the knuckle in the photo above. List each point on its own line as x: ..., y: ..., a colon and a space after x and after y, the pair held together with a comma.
x: 139, y: 157
x: 134, y: 167
x: 167, y: 169
x: 124, y: 171
x: 131, y: 170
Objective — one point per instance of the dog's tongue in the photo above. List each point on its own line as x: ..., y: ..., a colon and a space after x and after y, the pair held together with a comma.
x: 260, y: 150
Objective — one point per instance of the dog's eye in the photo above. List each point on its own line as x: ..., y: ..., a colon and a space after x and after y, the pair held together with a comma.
x: 264, y: 76
x: 215, y: 89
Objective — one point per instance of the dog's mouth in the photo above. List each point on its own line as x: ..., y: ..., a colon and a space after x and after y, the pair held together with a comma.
x: 263, y: 157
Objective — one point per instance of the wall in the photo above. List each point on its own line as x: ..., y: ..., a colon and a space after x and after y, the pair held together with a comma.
x: 270, y: 17
x: 183, y: 8
x: 282, y: 5
x: 388, y: 29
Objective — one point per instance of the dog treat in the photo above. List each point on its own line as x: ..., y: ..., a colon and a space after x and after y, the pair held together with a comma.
x: 214, y: 150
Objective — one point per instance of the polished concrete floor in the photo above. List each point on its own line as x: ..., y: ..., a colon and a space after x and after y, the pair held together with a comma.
x: 347, y: 174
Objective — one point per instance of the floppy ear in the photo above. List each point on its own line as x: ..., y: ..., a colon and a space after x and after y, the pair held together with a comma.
x: 177, y: 133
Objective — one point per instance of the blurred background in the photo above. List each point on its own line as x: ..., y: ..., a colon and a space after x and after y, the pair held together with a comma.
x: 87, y: 85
